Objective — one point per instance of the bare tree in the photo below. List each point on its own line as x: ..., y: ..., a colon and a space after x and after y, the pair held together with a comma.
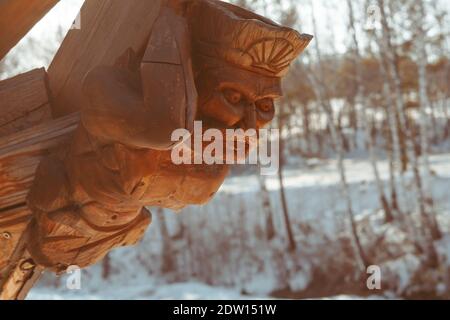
x: 290, y: 235
x: 167, y: 264
x: 422, y: 58
x: 428, y: 229
x: 267, y: 208
x: 323, y: 101
x: 363, y: 103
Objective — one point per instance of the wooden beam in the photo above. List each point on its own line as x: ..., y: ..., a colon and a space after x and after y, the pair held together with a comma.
x: 19, y: 272
x: 20, y: 280
x: 108, y: 29
x: 20, y: 154
x: 17, y: 17
x: 13, y: 223
x: 24, y: 102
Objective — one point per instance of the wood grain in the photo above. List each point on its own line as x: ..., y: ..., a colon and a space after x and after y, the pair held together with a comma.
x: 21, y: 153
x: 13, y: 223
x: 21, y: 273
x: 24, y: 102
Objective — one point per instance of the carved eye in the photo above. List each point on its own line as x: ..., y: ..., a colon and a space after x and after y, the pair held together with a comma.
x: 232, y: 96
x: 265, y: 105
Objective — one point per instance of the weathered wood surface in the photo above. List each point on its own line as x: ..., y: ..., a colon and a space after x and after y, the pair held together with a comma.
x: 22, y: 277
x: 108, y: 29
x: 24, y: 102
x: 18, y: 272
x: 13, y: 223
x: 17, y: 17
x: 21, y: 153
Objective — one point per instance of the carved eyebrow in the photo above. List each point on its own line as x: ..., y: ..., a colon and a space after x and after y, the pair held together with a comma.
x: 270, y: 96
x: 259, y: 93
x: 273, y: 91
x: 239, y: 88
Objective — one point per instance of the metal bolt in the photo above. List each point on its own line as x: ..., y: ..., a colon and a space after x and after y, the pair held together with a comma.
x: 27, y: 265
x: 6, y: 235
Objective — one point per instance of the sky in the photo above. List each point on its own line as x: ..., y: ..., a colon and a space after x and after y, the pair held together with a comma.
x: 62, y: 15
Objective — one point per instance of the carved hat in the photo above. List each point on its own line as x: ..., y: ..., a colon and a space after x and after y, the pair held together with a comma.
x: 224, y: 31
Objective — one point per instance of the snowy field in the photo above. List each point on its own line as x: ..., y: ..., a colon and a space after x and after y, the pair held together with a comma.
x: 180, y: 291
x: 314, y: 197
x: 145, y: 290
x: 149, y: 289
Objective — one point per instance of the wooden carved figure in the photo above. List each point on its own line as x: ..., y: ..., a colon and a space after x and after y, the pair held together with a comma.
x: 204, y: 60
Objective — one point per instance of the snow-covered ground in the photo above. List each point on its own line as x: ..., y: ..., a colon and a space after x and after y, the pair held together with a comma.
x: 248, y: 270
x: 145, y: 290
x: 152, y: 291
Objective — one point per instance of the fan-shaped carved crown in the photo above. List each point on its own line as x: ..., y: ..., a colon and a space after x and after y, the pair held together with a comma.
x: 224, y: 31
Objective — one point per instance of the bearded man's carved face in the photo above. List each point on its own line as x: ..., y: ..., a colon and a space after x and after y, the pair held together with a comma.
x: 239, y: 59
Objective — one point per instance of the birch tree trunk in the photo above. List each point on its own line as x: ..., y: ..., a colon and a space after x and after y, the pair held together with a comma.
x: 363, y: 103
x: 399, y: 104
x: 267, y: 208
x: 424, y: 123
x: 287, y: 221
x: 395, y: 161
x: 324, y: 103
x: 395, y: 154
x: 167, y: 264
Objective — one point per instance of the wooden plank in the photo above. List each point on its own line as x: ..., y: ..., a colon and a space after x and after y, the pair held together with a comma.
x: 108, y: 29
x: 20, y: 272
x: 17, y: 17
x: 20, y: 281
x: 24, y: 102
x: 21, y: 153
x: 13, y: 223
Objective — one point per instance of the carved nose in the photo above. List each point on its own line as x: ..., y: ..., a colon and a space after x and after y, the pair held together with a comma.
x: 250, y: 117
